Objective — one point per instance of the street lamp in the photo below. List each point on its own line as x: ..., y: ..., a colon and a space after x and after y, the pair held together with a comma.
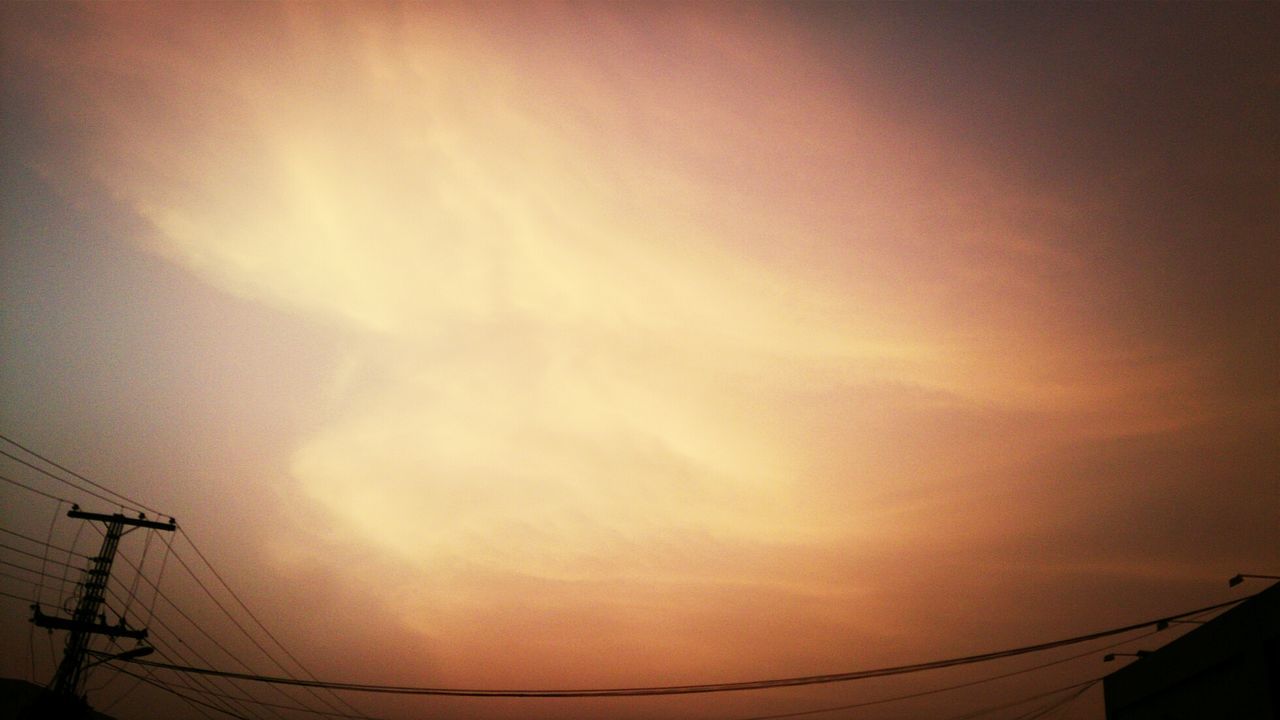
x: 1239, y: 578
x: 1112, y: 656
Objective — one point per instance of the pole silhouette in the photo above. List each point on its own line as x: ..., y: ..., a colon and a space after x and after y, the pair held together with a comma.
x: 65, y: 697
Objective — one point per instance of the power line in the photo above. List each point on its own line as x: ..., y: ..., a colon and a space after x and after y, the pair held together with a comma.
x: 60, y: 479
x: 188, y: 618
x: 135, y: 504
x: 16, y: 597
x: 25, y: 579
x: 693, y: 689
x: 160, y: 646
x: 37, y: 557
x: 164, y: 561
x: 25, y: 486
x: 60, y: 588
x: 227, y: 612
x: 53, y: 521
x: 42, y: 542
x: 1080, y: 687
x: 167, y: 651
x: 207, y: 687
x: 189, y: 700
x: 137, y: 576
x: 74, y: 542
x: 20, y: 567
x: 264, y: 703
x: 1057, y: 704
x: 30, y: 570
x: 200, y: 628
x: 935, y: 691
x: 269, y: 634
x: 19, y: 578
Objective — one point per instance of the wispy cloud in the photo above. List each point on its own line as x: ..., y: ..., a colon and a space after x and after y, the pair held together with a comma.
x: 608, y: 312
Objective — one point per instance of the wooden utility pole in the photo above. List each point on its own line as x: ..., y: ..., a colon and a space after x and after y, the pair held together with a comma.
x: 67, y: 688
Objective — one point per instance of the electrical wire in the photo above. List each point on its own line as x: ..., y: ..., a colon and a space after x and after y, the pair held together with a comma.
x: 207, y: 688
x: 198, y: 626
x: 1057, y: 704
x: 17, y: 597
x: 692, y: 689
x: 194, y: 624
x: 41, y: 542
x: 62, y: 582
x: 74, y: 541
x: 322, y: 713
x: 241, y: 627
x: 228, y: 614
x: 314, y: 683
x: 119, y: 698
x: 62, y: 480
x: 135, y: 504
x: 164, y: 560
x: 158, y: 594
x: 294, y: 708
x: 95, y: 690
x: 163, y: 647
x: 137, y: 576
x: 935, y: 691
x: 20, y: 567
x: 155, y: 588
x: 25, y: 486
x: 263, y: 627
x: 110, y: 590
x: 160, y: 646
x: 19, y: 578
x: 47, y: 542
x: 33, y: 555
x: 138, y: 681
x: 31, y: 570
x: 189, y: 700
x: 1079, y: 686
x: 112, y: 595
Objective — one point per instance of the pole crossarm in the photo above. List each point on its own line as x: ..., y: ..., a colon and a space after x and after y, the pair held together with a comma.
x: 123, y: 520
x: 87, y: 621
x: 57, y: 623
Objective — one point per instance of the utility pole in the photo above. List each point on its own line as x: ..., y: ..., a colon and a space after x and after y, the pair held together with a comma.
x: 67, y: 689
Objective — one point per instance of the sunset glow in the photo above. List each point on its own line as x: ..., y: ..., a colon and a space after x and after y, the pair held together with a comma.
x: 709, y: 339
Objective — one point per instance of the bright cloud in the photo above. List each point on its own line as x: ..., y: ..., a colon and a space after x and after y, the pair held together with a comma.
x: 598, y: 295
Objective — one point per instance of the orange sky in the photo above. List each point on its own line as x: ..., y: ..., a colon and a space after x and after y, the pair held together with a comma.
x: 581, y: 345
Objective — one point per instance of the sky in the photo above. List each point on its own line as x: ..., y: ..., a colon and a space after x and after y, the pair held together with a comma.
x: 611, y: 344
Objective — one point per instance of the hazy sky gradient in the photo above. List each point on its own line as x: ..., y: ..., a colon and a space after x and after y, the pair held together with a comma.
x: 602, y: 344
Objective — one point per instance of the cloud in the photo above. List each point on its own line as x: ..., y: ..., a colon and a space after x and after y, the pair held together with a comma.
x: 639, y: 312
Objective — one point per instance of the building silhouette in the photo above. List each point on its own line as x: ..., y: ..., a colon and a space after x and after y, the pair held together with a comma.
x: 1225, y: 669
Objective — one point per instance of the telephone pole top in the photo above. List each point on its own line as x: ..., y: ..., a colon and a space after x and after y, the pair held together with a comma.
x: 68, y: 682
